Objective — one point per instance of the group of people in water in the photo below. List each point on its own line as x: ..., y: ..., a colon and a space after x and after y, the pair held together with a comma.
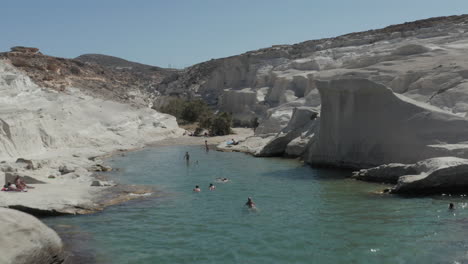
x: 211, y: 187
x: 250, y: 203
x: 18, y: 186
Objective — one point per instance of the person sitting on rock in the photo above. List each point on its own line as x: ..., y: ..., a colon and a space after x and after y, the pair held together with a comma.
x: 5, y: 188
x: 197, y: 189
x: 20, y: 184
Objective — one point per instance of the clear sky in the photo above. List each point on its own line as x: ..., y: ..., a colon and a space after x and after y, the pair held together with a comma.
x: 180, y: 33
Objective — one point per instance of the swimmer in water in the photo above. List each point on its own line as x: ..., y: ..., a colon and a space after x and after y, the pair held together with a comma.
x: 212, y: 187
x: 197, y: 189
x: 451, y: 206
x: 250, y: 203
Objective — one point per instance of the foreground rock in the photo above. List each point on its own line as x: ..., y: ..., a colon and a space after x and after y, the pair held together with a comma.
x: 431, y: 176
x: 27, y: 240
x: 365, y: 124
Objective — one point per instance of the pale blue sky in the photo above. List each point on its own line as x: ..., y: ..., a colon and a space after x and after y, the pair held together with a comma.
x: 180, y: 33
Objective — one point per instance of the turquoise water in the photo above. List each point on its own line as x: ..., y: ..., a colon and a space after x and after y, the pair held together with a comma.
x: 304, y: 215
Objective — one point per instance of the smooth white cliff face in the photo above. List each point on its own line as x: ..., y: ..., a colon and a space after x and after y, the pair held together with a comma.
x: 36, y: 121
x: 27, y: 240
x: 364, y: 123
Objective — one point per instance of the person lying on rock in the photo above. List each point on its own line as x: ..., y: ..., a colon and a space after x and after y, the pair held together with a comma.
x: 10, y: 187
x: 20, y: 184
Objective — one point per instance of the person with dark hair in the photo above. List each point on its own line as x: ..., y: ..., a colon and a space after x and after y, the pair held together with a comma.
x: 250, y: 203
x: 451, y: 206
x: 187, y: 157
x: 212, y: 187
x: 206, y: 146
x: 197, y: 189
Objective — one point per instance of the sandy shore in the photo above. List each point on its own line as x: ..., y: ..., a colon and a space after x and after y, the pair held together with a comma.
x: 239, y: 134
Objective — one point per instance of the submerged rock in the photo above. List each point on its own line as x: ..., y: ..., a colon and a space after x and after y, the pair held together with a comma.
x: 27, y: 240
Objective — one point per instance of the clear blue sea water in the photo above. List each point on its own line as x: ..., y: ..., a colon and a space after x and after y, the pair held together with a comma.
x: 304, y: 215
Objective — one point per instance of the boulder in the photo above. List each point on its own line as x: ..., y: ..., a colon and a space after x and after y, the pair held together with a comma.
x: 303, y: 119
x: 64, y: 169
x: 97, y: 183
x: 435, y: 176
x: 364, y: 124
x: 388, y: 173
x: 297, y: 146
x: 27, y: 240
x: 29, y: 163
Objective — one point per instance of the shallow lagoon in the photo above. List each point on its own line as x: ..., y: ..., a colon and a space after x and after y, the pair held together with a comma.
x: 304, y: 215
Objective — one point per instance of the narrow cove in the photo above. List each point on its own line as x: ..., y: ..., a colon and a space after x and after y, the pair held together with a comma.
x: 305, y: 215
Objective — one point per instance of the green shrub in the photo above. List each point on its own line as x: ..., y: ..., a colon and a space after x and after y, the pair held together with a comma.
x: 174, y: 108
x: 218, y: 125
x: 192, y: 110
x: 198, y: 111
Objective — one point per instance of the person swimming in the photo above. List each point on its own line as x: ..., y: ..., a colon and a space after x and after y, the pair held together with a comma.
x: 451, y: 206
x: 212, y: 187
x: 250, y: 203
x: 197, y: 189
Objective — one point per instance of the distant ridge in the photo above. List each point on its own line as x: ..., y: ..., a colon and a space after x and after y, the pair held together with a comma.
x: 116, y: 63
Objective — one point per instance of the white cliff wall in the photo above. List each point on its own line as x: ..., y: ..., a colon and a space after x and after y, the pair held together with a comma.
x: 364, y: 123
x: 35, y: 122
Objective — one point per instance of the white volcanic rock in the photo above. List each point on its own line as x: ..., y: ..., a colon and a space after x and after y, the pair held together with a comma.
x: 242, y: 103
x: 62, y: 130
x: 35, y: 121
x: 27, y: 240
x: 276, y: 120
x: 298, y: 146
x: 364, y: 124
x: 387, y: 173
x: 436, y: 175
x: 252, y: 145
x: 302, y: 121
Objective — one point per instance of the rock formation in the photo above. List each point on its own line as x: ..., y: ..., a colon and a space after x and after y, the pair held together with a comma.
x: 431, y: 176
x: 27, y: 240
x: 365, y: 124
x: 45, y: 132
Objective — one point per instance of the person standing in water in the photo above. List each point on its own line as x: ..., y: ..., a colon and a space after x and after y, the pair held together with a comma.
x: 212, y: 187
x: 197, y: 189
x: 206, y: 146
x: 451, y: 206
x: 250, y: 203
x: 187, y: 157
